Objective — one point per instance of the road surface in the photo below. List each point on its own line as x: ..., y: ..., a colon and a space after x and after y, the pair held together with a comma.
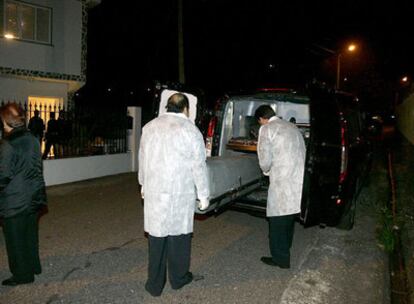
x: 94, y: 250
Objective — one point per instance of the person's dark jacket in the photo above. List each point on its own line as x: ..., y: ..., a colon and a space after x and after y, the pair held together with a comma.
x: 36, y: 126
x: 52, y: 133
x: 22, y: 185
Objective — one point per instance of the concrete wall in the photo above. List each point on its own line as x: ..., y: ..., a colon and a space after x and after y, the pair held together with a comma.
x: 63, y: 55
x: 61, y: 171
x: 19, y: 89
x: 405, y: 118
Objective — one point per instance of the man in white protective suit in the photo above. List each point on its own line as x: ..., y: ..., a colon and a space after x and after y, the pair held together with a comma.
x: 172, y: 174
x: 281, y: 151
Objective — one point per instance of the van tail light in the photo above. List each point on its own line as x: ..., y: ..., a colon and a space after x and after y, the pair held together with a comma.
x: 344, y: 152
x: 211, y: 126
x: 210, y: 134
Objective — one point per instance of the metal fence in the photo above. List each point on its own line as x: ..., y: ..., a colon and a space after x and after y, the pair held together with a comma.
x: 80, y: 131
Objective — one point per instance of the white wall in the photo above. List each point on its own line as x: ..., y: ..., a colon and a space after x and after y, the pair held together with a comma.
x: 134, y: 136
x: 61, y: 171
x: 63, y: 56
x: 67, y: 36
x: 13, y: 89
x: 67, y: 170
x: 405, y: 118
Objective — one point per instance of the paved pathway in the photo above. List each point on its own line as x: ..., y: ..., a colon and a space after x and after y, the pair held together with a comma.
x: 94, y: 251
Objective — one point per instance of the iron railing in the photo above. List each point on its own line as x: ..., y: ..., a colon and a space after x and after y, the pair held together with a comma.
x: 80, y: 131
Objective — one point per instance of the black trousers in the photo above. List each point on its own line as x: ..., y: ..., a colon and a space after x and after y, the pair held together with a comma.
x: 48, y: 146
x: 281, y: 229
x: 173, y: 251
x: 21, y: 233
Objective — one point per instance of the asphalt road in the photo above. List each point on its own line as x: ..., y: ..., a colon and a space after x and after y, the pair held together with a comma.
x: 94, y: 251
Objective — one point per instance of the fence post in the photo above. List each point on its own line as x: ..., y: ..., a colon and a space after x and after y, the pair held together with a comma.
x: 134, y: 136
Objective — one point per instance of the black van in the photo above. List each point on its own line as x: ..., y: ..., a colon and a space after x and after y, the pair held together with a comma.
x: 339, y: 157
x: 338, y: 151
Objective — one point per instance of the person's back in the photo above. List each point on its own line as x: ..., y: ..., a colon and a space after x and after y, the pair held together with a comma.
x: 288, y: 149
x: 36, y: 126
x: 22, y: 196
x: 170, y: 145
x: 52, y: 130
x: 174, y: 137
x: 281, y: 151
x: 27, y: 188
x: 172, y: 173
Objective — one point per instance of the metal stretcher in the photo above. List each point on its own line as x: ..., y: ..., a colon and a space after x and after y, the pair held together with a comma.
x: 231, y: 177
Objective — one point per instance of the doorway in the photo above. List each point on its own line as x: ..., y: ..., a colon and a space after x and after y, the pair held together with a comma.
x: 45, y: 106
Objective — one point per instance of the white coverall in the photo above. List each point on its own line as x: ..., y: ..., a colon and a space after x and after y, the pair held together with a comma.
x: 173, y: 173
x: 281, y: 151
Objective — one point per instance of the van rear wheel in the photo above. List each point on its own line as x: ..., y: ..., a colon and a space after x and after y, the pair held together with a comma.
x: 348, y: 217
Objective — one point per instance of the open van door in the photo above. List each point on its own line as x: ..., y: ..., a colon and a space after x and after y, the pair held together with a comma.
x: 323, y: 160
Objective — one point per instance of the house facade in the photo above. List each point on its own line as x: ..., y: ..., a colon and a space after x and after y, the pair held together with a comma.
x: 43, y: 47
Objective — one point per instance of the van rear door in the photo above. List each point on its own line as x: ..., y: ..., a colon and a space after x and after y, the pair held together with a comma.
x: 323, y: 161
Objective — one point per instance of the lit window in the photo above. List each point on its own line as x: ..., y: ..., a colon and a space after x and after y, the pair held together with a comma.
x: 25, y: 21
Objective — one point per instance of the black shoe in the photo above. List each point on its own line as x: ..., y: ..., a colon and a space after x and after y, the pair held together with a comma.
x: 190, y: 278
x: 269, y: 261
x: 13, y: 282
x: 154, y: 294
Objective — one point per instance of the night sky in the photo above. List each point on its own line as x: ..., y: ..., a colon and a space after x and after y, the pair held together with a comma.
x: 232, y: 45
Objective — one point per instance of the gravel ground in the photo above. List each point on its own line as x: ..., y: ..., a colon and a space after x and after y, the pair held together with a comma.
x: 94, y: 251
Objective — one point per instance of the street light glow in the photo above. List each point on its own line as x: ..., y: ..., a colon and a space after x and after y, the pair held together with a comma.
x: 404, y: 79
x: 352, y: 47
x: 9, y: 36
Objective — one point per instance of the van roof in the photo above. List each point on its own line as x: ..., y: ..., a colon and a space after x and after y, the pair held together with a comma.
x: 273, y: 96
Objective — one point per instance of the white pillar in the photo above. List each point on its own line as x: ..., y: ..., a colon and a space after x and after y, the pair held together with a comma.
x: 134, y: 136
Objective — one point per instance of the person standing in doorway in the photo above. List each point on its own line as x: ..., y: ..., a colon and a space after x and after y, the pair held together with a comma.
x: 281, y: 151
x: 37, y: 126
x: 172, y: 174
x: 52, y: 136
x: 22, y: 195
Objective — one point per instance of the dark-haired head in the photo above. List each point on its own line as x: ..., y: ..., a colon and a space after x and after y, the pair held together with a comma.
x: 178, y: 103
x: 265, y: 112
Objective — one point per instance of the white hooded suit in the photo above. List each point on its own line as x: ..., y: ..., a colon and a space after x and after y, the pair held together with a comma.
x: 173, y: 173
x: 281, y: 151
